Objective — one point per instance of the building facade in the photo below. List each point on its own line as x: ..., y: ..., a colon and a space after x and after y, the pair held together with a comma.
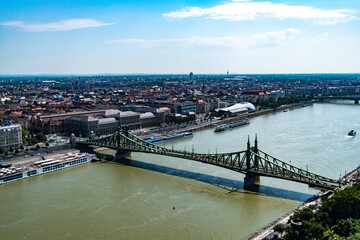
x: 106, y: 123
x: 10, y: 137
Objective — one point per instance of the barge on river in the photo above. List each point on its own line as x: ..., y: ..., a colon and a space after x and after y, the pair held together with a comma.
x: 44, y: 166
x: 225, y: 126
x: 170, y: 138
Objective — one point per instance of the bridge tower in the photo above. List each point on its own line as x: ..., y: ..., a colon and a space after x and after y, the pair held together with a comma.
x: 251, y: 178
x: 120, y: 153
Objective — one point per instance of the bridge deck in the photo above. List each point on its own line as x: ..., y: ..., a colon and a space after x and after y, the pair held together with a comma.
x: 252, y: 160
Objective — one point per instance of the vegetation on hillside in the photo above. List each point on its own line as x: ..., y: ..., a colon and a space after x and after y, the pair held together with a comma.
x: 337, y: 218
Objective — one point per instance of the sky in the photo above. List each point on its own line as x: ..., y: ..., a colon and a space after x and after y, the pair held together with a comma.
x: 178, y: 37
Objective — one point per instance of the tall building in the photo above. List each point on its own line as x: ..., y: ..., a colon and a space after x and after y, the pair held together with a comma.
x: 10, y: 136
x: 191, y: 76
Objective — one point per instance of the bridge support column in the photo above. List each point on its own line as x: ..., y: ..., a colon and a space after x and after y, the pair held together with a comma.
x: 121, y: 155
x: 251, y: 179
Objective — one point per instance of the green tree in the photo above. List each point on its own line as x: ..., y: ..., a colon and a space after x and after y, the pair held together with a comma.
x: 37, y: 146
x: 24, y: 134
x: 344, y: 204
x: 40, y: 137
x: 2, y: 151
x: 329, y: 234
x: 280, y: 228
x: 345, y: 227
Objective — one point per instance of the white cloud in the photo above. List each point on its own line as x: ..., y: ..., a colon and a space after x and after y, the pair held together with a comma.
x: 269, y: 38
x: 70, y: 24
x: 240, y: 10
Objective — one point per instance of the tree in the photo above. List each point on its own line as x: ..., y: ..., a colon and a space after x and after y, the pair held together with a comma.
x: 2, y: 151
x: 280, y: 228
x: 11, y: 149
x: 17, y: 151
x: 331, y: 235
x: 344, y: 204
x: 47, y: 144
x: 40, y: 137
x: 345, y: 227
x: 22, y: 147
x: 6, y: 153
x: 37, y: 146
x: 24, y: 134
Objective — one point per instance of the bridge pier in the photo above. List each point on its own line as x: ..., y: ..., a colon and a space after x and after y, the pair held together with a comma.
x: 251, y: 179
x: 121, y: 155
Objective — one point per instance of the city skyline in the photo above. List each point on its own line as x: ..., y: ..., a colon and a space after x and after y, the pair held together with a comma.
x: 123, y: 37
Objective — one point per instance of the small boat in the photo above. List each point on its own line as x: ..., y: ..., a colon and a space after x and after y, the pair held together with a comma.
x: 352, y: 133
x: 285, y: 110
x: 221, y: 128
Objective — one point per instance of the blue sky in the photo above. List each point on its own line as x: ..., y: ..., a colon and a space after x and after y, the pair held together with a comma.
x: 239, y: 36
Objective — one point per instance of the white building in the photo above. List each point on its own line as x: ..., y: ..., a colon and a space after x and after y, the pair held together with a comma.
x: 10, y: 136
x: 236, y: 109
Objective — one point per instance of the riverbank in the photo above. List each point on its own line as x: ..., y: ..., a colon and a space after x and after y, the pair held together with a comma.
x: 267, y: 231
x: 206, y: 125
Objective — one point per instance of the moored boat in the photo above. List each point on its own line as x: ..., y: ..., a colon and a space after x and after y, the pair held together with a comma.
x: 221, y: 128
x: 44, y: 166
x: 239, y: 124
x: 170, y: 138
x: 233, y: 125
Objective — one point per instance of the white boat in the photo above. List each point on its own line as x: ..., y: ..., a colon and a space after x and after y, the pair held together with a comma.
x: 41, y: 167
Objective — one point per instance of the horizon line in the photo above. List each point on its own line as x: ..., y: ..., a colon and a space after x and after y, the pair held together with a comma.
x: 168, y: 74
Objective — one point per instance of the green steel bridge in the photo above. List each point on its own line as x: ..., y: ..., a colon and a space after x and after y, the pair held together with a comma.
x: 252, y: 162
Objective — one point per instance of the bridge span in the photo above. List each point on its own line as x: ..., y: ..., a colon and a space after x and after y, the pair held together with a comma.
x: 355, y: 98
x: 252, y: 162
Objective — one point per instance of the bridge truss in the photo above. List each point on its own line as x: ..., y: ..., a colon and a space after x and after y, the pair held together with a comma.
x: 251, y: 162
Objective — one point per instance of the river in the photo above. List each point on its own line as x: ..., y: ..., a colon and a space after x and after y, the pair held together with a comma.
x: 158, y: 197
